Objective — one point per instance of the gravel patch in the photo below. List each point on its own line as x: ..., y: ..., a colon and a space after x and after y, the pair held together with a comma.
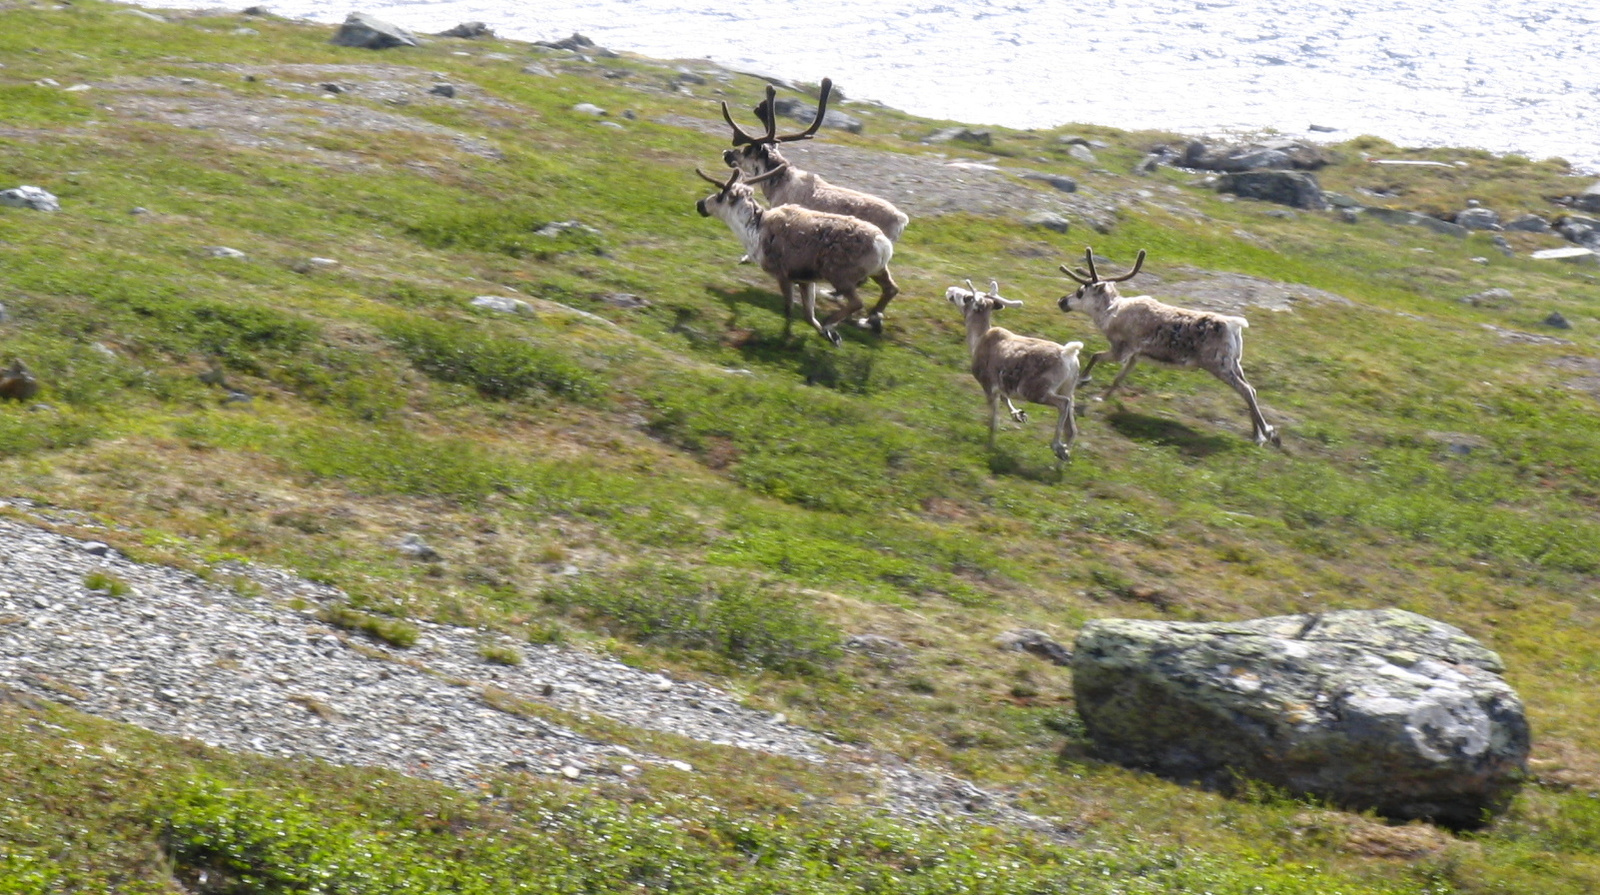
x: 239, y: 667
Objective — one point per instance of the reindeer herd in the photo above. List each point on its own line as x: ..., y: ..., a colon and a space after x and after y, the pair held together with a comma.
x: 814, y: 232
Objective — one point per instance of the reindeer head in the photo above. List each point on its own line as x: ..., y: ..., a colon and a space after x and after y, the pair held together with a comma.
x: 730, y: 194
x: 976, y: 305
x: 1094, y: 290
x: 757, y: 155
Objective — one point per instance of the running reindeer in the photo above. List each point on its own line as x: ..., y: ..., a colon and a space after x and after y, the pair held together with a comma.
x: 1007, y: 364
x: 758, y: 157
x: 800, y: 246
x: 1143, y: 327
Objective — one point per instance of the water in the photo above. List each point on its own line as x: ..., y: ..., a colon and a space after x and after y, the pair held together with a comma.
x: 1502, y: 75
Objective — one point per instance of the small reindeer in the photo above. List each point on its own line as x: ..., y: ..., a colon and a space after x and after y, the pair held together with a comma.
x: 1143, y: 327
x: 800, y: 246
x: 758, y: 156
x: 1007, y: 364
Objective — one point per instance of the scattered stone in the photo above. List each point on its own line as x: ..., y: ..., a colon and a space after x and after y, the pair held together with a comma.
x: 1580, y: 230
x: 577, y: 43
x: 1501, y: 243
x: 1321, y: 129
x: 1529, y: 223
x: 876, y: 645
x: 257, y: 11
x: 1478, y: 218
x: 589, y: 109
x: 1036, y: 642
x: 447, y: 91
x: 1488, y: 298
x: 1049, y: 220
x: 557, y: 228
x: 29, y: 197
x: 624, y: 300
x: 17, y: 383
x: 1381, y: 710
x: 534, y: 68
x: 365, y: 32
x: 1340, y: 200
x: 502, y: 304
x: 469, y: 30
x: 1083, y: 154
x: 1297, y: 189
x: 1557, y: 320
x: 414, y: 546
x: 1064, y: 184
x: 330, y: 87
x: 222, y: 252
x: 1415, y: 218
x: 961, y: 135
x: 1575, y: 255
x: 1275, y: 155
x: 1589, y: 199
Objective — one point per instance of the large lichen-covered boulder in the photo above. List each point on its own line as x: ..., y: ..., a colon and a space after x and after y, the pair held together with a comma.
x: 1383, y: 709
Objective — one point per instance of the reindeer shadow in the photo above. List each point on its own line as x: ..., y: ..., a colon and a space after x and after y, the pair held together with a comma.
x: 1032, y: 462
x: 1169, y: 433
x: 761, y: 341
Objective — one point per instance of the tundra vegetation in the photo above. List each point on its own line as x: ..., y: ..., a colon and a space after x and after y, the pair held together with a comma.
x: 736, y: 504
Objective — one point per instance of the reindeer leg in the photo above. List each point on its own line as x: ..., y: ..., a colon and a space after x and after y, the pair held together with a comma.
x: 1127, y: 367
x: 1065, y: 425
x: 1093, y: 359
x: 809, y: 291
x: 788, y: 305
x: 885, y: 281
x: 1263, y: 433
x: 1020, y: 416
x: 994, y: 414
x: 852, y: 304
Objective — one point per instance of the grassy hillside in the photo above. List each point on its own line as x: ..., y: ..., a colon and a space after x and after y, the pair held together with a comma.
x: 736, y: 503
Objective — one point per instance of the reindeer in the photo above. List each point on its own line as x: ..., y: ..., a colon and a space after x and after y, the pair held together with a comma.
x: 758, y: 156
x: 798, y: 245
x: 1007, y: 364
x: 1143, y: 327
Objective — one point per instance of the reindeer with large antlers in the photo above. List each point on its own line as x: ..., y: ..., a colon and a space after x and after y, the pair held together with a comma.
x: 1143, y: 327
x: 758, y: 157
x: 800, y: 246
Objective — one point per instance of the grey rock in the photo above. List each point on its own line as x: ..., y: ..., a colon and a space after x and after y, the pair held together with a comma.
x: 1589, y: 199
x: 445, y: 90
x: 1381, y: 710
x: 1529, y: 223
x: 1415, y: 219
x: 625, y: 300
x: 534, y: 68
x: 1489, y: 298
x: 577, y: 43
x: 1278, y: 154
x: 502, y: 304
x: 1557, y: 320
x: 469, y: 30
x: 1064, y: 184
x: 589, y: 109
x: 1478, y: 218
x: 1340, y: 200
x: 557, y: 228
x: 1083, y: 154
x: 1037, y: 642
x: 876, y: 645
x: 961, y: 135
x: 222, y: 252
x: 414, y: 546
x: 1581, y: 230
x: 1049, y: 220
x: 1503, y: 245
x: 29, y: 197
x: 1296, y: 189
x: 368, y: 33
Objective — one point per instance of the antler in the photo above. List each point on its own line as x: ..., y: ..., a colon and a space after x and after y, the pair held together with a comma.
x: 808, y: 133
x: 717, y: 183
x: 1137, y: 263
x: 1091, y: 276
x: 740, y: 138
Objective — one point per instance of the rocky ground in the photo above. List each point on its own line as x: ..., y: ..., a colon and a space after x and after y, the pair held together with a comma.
x: 248, y: 666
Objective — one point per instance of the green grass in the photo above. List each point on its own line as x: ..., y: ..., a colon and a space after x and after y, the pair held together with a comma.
x: 684, y: 487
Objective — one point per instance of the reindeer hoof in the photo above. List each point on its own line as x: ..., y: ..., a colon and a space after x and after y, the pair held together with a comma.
x: 1062, y: 453
x: 875, y: 323
x: 1020, y: 416
x: 832, y: 337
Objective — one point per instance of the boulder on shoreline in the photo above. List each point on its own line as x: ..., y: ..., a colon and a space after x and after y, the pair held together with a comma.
x: 365, y: 32
x: 1296, y: 189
